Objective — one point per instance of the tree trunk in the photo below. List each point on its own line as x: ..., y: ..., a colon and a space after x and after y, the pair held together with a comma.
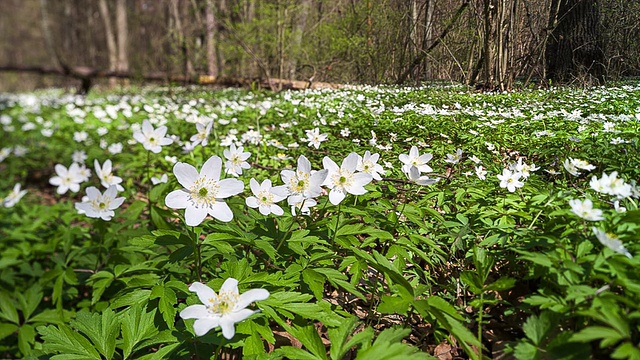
x: 46, y: 34
x: 211, y: 24
x: 574, y: 51
x: 298, y: 31
x: 111, y: 39
x: 175, y: 11
x: 122, y: 37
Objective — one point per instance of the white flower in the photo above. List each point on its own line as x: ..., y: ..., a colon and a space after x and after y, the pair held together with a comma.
x: 611, y: 241
x: 314, y: 138
x: 475, y: 159
x: 510, y: 180
x: 265, y: 197
x: 414, y: 176
x: 223, y: 309
x: 98, y: 205
x: 4, y: 153
x: 369, y: 164
x: 415, y: 159
x: 236, y: 160
x: 344, y: 179
x: 159, y: 180
x: 611, y: 185
x: 300, y: 203
x: 66, y: 179
x: 571, y: 168
x: 115, y: 148
x: 345, y: 132
x: 618, y: 208
x: 14, y: 196
x: 202, y: 137
x: 481, y: 172
x: 574, y: 165
x: 585, y: 210
x: 523, y: 168
x: 80, y: 136
x: 106, y: 176
x: 79, y: 156
x: 152, y: 139
x: 203, y: 192
x: 303, y: 182
x: 454, y: 158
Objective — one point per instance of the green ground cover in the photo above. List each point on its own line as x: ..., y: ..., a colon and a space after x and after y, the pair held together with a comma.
x: 395, y: 223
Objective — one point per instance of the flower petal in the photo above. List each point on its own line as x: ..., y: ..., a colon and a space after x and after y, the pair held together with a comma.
x: 228, y: 330
x: 195, y: 312
x: 336, y: 196
x: 350, y: 162
x: 93, y: 193
x: 177, y: 199
x: 230, y: 285
x: 221, y: 211
x: 252, y: 202
x: 205, y: 293
x: 250, y: 296
x: 229, y: 187
x: 202, y: 326
x: 211, y: 168
x: 194, y: 216
x: 186, y: 174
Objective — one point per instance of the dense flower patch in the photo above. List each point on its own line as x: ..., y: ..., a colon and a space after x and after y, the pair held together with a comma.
x: 369, y: 223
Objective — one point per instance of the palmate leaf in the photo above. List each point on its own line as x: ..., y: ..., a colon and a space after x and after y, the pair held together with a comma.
x: 167, y: 300
x: 389, y: 346
x: 63, y: 339
x: 101, y: 329
x: 137, y: 325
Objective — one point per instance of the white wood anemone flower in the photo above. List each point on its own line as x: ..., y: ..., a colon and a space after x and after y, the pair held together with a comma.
x: 304, y: 181
x: 265, y: 197
x: 223, y: 309
x: 414, y: 176
x: 152, y: 139
x: 99, y: 205
x: 14, y: 196
x: 415, y: 159
x: 611, y: 241
x: 203, y: 192
x: 345, y: 180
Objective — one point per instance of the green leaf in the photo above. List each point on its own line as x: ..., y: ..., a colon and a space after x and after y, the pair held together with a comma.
x: 30, y: 300
x: 7, y: 329
x: 137, y: 325
x: 101, y: 329
x: 608, y: 335
x: 502, y: 284
x: 626, y: 351
x: 393, y: 305
x: 315, y: 281
x: 167, y: 300
x: 308, y: 336
x: 290, y: 352
x: 26, y: 337
x: 535, y: 328
x: 62, y: 339
x: 8, y: 309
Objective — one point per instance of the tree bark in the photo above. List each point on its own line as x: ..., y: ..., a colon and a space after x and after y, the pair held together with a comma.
x: 211, y: 25
x: 122, y: 36
x: 298, y: 31
x: 110, y: 36
x: 574, y: 51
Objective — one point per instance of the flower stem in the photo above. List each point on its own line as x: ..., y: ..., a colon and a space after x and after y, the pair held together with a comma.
x: 219, y: 350
x: 335, y: 229
x: 294, y: 220
x: 198, y: 254
x: 149, y: 184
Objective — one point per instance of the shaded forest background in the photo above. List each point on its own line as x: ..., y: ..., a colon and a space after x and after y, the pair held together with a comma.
x: 494, y: 43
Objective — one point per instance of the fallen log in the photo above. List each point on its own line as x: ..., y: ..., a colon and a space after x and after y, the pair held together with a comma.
x: 87, y: 75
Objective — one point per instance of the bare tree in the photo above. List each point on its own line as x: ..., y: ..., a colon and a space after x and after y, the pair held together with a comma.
x: 211, y: 46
